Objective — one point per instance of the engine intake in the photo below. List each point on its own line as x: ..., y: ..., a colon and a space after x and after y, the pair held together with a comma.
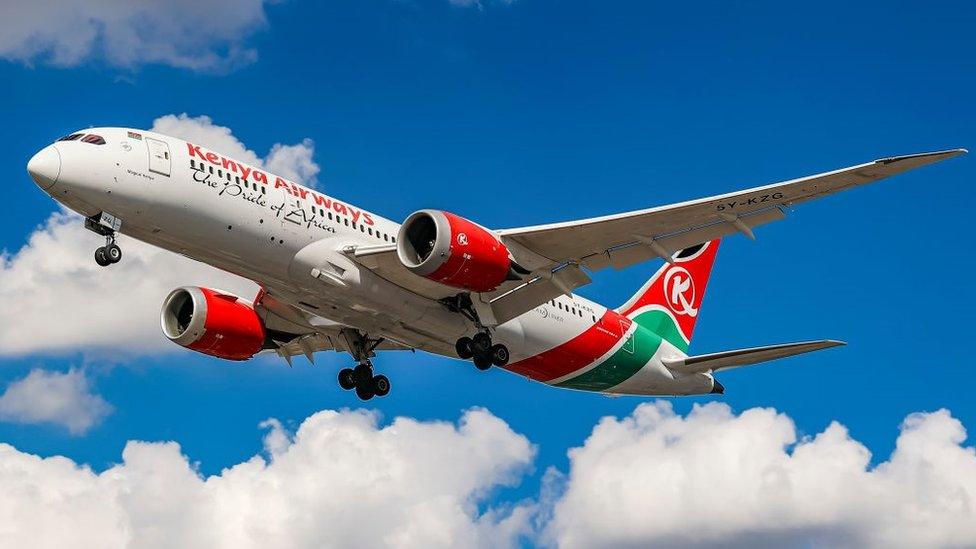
x: 213, y: 323
x: 451, y: 250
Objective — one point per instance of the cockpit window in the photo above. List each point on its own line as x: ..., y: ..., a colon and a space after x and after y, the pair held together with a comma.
x: 71, y: 137
x: 94, y: 139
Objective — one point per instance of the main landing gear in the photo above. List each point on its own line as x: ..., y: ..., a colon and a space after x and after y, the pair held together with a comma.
x: 110, y: 253
x: 361, y: 377
x: 478, y: 348
x: 482, y: 352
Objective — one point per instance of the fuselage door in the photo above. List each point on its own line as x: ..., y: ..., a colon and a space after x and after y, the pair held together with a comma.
x: 159, y: 159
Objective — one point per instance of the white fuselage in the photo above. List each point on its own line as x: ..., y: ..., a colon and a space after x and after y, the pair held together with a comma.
x: 244, y: 220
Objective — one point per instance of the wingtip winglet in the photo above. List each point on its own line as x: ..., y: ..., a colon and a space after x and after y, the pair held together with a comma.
x: 932, y: 156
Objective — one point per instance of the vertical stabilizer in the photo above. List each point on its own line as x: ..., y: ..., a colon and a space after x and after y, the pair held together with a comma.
x: 670, y: 302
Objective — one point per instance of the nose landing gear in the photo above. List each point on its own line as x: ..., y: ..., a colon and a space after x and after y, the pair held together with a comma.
x: 105, y: 224
x: 109, y: 254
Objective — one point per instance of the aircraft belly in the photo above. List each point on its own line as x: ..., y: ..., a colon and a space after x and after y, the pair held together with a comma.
x: 656, y: 379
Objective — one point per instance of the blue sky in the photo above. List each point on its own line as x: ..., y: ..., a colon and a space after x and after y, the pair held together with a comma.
x: 534, y: 111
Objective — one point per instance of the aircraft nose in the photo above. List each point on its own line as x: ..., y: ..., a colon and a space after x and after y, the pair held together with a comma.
x: 45, y: 167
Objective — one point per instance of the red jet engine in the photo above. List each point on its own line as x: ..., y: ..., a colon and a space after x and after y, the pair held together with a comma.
x: 451, y: 250
x: 213, y: 323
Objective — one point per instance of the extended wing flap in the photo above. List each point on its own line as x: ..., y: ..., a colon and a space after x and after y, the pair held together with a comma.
x: 745, y: 357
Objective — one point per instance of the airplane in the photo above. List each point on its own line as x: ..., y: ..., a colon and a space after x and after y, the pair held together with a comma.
x: 333, y: 276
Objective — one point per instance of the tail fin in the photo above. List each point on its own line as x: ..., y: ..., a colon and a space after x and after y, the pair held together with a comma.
x: 668, y: 304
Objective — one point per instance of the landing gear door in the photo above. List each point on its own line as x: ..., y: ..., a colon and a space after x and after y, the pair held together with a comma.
x: 159, y: 159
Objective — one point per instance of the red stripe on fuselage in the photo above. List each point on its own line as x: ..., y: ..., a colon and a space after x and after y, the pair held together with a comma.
x: 576, y: 353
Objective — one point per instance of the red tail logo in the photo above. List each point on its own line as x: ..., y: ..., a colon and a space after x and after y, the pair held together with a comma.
x: 679, y: 291
x: 676, y: 290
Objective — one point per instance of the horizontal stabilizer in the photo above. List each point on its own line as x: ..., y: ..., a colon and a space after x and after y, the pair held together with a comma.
x: 744, y: 357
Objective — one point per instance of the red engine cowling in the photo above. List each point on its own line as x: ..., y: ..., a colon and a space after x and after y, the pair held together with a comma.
x: 213, y: 323
x: 447, y: 248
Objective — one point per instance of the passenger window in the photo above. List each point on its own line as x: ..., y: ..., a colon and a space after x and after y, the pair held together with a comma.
x: 386, y: 237
x: 330, y: 216
x: 346, y: 221
x: 211, y: 170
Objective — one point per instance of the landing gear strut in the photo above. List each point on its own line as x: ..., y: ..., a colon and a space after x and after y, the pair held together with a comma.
x: 361, y: 378
x: 110, y: 253
x: 478, y: 348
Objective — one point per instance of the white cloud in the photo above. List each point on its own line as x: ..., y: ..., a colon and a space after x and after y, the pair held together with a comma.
x: 711, y: 478
x: 289, y: 161
x: 343, y: 482
x: 714, y: 478
x: 52, y: 397
x: 196, y: 35
x: 57, y: 299
x: 293, y: 161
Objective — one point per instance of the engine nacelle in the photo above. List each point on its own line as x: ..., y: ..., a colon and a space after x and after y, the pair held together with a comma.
x: 447, y: 248
x: 213, y: 323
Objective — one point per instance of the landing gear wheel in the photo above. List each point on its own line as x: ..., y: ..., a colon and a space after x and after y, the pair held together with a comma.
x: 113, y: 253
x: 364, y: 391
x: 101, y: 258
x: 499, y: 355
x: 363, y: 374
x: 480, y: 343
x: 482, y: 361
x: 347, y: 379
x: 381, y: 386
x: 463, y: 348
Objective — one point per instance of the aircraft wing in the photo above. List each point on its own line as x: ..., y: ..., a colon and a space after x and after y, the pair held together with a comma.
x: 325, y: 340
x: 744, y: 357
x: 557, y: 253
x: 624, y: 239
x: 294, y: 332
